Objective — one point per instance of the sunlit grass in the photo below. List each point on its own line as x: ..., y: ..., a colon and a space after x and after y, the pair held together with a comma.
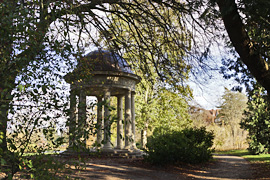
x: 258, y: 158
x: 48, y: 152
x: 43, y: 153
x: 238, y: 152
x: 262, y: 158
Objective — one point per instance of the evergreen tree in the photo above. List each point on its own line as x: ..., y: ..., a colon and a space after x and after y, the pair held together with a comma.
x: 257, y: 121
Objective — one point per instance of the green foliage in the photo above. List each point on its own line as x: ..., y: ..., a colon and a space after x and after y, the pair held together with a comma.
x: 32, y: 101
x: 257, y: 25
x: 161, y: 108
x: 161, y: 95
x: 189, y: 145
x: 257, y: 121
x: 172, y: 110
x: 45, y: 167
x: 227, y: 130
x: 232, y: 108
x: 226, y: 125
x: 148, y: 40
x: 35, y: 120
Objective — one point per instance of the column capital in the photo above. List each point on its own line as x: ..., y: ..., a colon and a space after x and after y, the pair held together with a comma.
x: 106, y: 89
x: 120, y: 95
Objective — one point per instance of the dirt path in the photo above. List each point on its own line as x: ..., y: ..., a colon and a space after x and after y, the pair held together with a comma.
x: 114, y: 169
x: 226, y: 167
x: 223, y: 168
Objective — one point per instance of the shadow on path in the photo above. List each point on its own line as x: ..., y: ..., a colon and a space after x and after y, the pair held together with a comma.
x: 223, y: 168
x: 116, y: 171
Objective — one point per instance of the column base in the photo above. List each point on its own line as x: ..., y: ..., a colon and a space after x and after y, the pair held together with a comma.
x: 107, y: 146
x: 118, y: 148
x: 134, y: 147
x: 110, y: 150
x: 128, y: 147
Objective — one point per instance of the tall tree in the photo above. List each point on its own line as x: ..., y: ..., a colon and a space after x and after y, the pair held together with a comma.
x: 159, y: 109
x: 232, y: 111
x: 146, y: 110
x: 232, y: 107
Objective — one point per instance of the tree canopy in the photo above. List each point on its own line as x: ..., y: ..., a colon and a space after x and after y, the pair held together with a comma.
x: 247, y: 25
x: 232, y: 107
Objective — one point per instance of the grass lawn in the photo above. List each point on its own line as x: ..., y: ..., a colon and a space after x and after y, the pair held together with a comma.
x: 262, y: 158
x: 260, y: 163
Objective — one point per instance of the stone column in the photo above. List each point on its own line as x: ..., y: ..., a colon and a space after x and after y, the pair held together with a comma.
x: 99, y: 120
x: 128, y: 127
x: 82, y: 116
x: 133, y: 120
x: 72, y: 118
x: 107, y: 123
x: 119, y: 122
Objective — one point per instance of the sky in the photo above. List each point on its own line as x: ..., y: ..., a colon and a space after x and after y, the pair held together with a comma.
x: 208, y: 93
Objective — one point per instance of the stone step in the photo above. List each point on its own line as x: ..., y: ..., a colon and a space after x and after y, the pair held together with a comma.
x: 127, y: 153
x: 114, y: 153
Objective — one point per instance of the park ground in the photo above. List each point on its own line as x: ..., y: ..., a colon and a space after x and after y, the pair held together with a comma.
x: 224, y: 166
x: 231, y: 165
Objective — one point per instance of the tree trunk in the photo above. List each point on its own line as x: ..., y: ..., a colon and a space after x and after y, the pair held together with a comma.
x: 10, y: 158
x: 3, y: 126
x: 5, y: 99
x: 233, y: 135
x: 243, y: 45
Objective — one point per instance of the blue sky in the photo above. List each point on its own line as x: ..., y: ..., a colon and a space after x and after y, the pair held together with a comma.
x: 207, y: 93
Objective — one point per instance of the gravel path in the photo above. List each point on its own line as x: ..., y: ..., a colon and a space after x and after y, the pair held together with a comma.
x: 226, y: 167
x: 223, y: 168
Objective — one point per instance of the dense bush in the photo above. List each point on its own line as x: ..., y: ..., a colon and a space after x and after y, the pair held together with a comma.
x: 189, y: 145
x: 257, y: 122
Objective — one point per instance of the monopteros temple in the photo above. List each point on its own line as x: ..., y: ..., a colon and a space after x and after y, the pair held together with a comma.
x: 103, y: 74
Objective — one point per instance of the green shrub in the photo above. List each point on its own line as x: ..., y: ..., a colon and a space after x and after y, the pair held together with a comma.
x: 257, y: 121
x: 189, y: 145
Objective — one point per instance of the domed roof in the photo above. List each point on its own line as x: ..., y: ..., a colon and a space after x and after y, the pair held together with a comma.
x: 104, y: 60
x: 102, y: 64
